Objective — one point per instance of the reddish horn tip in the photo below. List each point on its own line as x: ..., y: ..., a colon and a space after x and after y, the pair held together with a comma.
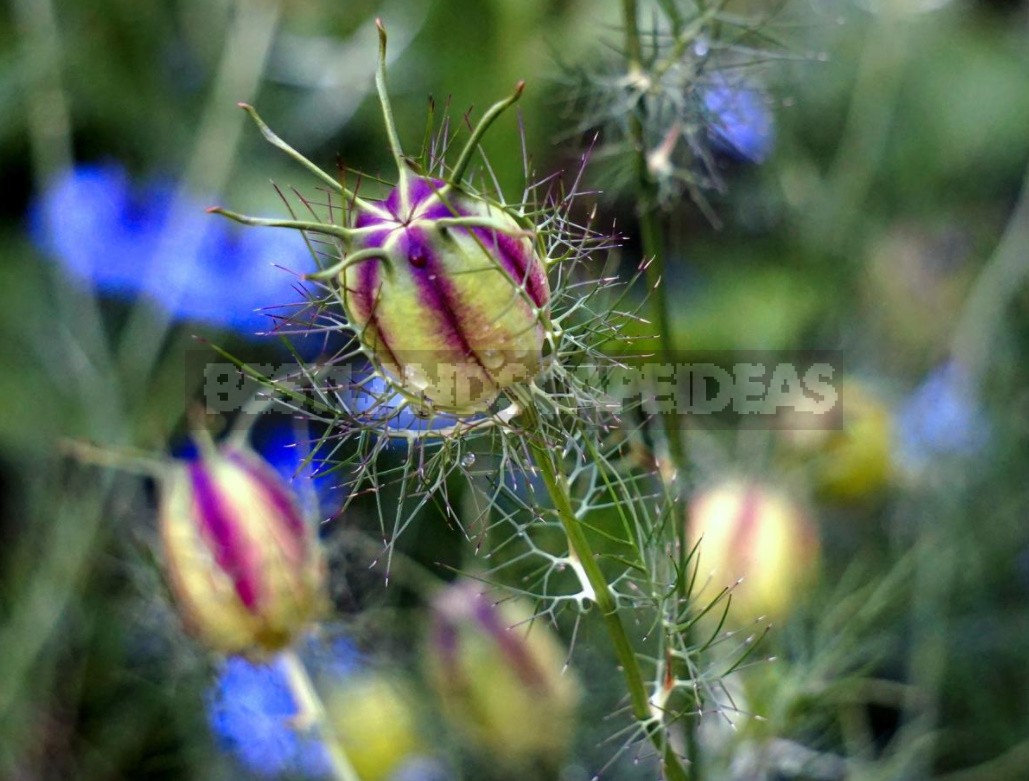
x: 378, y: 23
x: 519, y: 87
x: 244, y: 106
x: 213, y: 209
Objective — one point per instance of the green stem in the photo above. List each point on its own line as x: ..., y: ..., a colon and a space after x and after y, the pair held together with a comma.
x: 581, y: 549
x: 314, y: 227
x: 653, y: 252
x: 362, y: 255
x: 275, y: 140
x: 633, y: 49
x: 650, y: 231
x: 312, y: 711
x: 1002, y: 278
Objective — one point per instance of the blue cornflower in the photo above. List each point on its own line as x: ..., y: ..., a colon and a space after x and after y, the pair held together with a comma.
x: 941, y: 418
x: 252, y: 712
x: 740, y: 123
x: 108, y: 231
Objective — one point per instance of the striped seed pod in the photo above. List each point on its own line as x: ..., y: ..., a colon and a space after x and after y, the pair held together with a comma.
x: 453, y: 297
x: 244, y: 566
x: 501, y: 681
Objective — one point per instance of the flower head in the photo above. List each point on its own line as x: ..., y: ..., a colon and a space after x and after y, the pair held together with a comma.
x: 740, y: 124
x: 251, y: 712
x: 941, y: 418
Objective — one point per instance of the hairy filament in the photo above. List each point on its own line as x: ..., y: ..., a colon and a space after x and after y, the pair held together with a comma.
x: 557, y: 487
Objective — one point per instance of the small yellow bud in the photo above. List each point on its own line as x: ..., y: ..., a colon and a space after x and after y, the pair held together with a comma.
x: 757, y: 535
x: 501, y: 679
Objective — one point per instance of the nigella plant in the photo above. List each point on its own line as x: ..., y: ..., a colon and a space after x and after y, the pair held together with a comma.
x: 492, y: 316
x: 682, y: 96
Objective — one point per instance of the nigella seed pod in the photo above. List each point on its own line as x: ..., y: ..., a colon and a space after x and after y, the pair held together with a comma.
x: 452, y: 299
x: 244, y: 566
x: 501, y: 679
x: 755, y: 540
x: 445, y: 288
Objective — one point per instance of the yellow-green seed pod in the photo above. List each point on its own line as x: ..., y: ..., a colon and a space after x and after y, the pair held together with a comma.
x: 452, y: 298
x: 244, y: 566
x: 757, y: 535
x: 502, y: 680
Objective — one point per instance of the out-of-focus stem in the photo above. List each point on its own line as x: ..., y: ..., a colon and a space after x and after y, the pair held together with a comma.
x: 247, y: 45
x: 311, y: 711
x: 650, y: 229
x: 1001, y: 279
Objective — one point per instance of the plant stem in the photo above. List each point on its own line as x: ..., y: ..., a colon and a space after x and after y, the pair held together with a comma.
x: 246, y: 48
x: 580, y: 547
x: 650, y: 230
x: 652, y: 248
x: 311, y: 710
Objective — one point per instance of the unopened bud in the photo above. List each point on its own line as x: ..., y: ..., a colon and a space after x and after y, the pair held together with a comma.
x: 501, y: 679
x: 243, y: 564
x: 757, y: 541
x: 375, y: 722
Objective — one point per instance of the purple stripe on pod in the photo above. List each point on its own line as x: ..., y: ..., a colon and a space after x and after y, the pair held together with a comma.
x: 362, y: 297
x: 511, y: 645
x: 283, y: 507
x: 367, y: 219
x: 363, y: 301
x: 232, y: 551
x: 520, y: 264
x: 439, y: 209
x: 419, y: 189
x: 380, y: 340
x: 435, y: 291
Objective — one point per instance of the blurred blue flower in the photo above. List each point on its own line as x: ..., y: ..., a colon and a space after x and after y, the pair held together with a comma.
x: 111, y: 233
x: 375, y: 400
x: 297, y: 458
x: 940, y: 418
x: 251, y: 712
x: 740, y: 123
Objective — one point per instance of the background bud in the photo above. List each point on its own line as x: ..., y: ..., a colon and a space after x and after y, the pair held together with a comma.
x: 454, y: 313
x: 750, y: 531
x: 244, y: 566
x: 375, y: 722
x: 501, y: 680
